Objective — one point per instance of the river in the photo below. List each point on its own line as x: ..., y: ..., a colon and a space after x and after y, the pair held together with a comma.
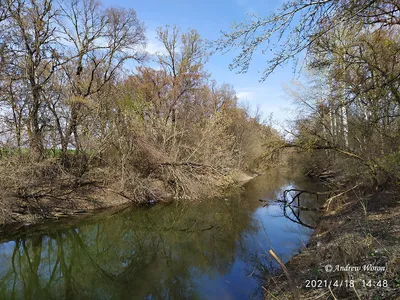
x: 212, y: 249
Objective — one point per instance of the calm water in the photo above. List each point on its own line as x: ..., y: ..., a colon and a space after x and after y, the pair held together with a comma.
x: 206, y: 250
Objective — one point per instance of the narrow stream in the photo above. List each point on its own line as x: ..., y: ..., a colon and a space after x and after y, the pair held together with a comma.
x: 211, y: 249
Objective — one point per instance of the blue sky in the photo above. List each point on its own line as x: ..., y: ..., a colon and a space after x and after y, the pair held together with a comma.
x: 209, y: 17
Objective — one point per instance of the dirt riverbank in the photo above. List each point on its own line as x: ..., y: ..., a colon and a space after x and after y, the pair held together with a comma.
x: 354, y: 253
x: 83, y: 199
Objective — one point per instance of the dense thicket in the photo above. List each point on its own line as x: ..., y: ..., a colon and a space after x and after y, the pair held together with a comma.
x: 78, y: 102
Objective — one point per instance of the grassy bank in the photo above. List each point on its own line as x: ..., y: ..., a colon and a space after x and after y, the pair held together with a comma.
x: 358, y: 229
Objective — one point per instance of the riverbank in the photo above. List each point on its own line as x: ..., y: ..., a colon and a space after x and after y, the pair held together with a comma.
x: 60, y: 200
x: 357, y: 240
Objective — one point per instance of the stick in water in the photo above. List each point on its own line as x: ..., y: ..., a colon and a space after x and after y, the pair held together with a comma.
x: 289, y: 278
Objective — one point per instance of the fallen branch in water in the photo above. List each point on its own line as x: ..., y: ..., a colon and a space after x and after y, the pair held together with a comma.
x: 299, y: 193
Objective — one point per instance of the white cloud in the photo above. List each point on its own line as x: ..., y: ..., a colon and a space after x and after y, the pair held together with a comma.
x: 269, y: 98
x: 245, y: 96
x: 155, y: 47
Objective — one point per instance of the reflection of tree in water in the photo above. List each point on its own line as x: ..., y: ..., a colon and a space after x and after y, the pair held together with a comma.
x: 310, y: 197
x: 262, y: 263
x: 154, y: 252
x: 284, y: 181
x: 157, y: 252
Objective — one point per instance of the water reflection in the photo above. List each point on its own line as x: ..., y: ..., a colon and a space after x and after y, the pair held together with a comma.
x: 205, y: 250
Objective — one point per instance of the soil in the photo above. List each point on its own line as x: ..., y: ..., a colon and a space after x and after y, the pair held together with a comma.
x: 82, y: 200
x: 26, y: 212
x: 358, y: 231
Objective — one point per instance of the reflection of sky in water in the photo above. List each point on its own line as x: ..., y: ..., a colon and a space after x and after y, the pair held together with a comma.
x: 274, y: 231
x: 207, y: 250
x: 280, y: 234
x: 6, y: 251
x: 235, y: 285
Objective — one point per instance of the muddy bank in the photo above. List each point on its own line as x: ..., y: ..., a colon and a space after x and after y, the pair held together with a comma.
x: 354, y: 253
x: 87, y: 198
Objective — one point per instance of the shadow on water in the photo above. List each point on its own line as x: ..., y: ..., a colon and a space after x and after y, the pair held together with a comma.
x: 206, y: 250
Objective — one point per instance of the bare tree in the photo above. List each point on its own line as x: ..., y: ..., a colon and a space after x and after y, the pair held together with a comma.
x: 184, y: 62
x: 99, y: 41
x: 5, y: 9
x: 30, y: 41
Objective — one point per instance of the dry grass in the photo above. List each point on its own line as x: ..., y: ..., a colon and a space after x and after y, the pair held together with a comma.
x: 355, y: 233
x: 32, y: 191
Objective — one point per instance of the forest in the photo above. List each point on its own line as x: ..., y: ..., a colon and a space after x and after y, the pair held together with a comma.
x: 84, y: 107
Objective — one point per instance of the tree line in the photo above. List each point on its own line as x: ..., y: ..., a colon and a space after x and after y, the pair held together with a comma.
x: 78, y: 97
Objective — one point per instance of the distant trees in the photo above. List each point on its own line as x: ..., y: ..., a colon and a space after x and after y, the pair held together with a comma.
x: 177, y: 125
